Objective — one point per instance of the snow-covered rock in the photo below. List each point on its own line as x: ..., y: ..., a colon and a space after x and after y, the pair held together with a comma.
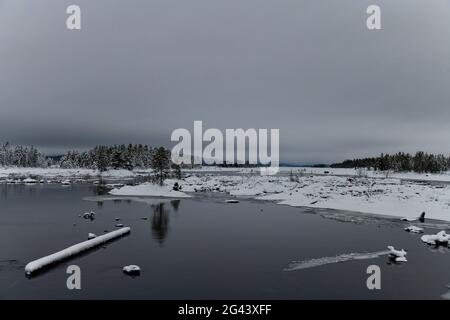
x: 66, y: 183
x: 421, y: 218
x: 89, y: 215
x: 92, y: 235
x: 397, y: 255
x: 414, y: 229
x: 232, y: 201
x: 440, y: 238
x: 132, y: 270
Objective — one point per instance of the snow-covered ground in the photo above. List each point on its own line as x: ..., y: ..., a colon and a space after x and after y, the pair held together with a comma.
x: 390, y: 197
x: 6, y: 172
x: 382, y: 196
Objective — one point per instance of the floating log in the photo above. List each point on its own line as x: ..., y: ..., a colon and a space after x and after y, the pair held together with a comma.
x: 38, y: 264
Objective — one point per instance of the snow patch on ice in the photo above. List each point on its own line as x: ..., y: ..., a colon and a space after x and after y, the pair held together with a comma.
x: 306, y: 264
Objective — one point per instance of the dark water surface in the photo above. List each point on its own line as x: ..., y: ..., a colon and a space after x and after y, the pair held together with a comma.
x: 203, y: 248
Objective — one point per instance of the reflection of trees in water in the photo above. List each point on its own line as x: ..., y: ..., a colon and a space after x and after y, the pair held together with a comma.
x: 100, y: 190
x: 160, y: 222
x: 4, y: 189
x: 175, y: 204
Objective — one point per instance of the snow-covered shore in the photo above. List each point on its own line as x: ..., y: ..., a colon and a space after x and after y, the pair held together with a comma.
x: 389, y: 197
x: 53, y: 173
x: 6, y: 172
x: 400, y: 195
x: 380, y: 196
x: 150, y: 190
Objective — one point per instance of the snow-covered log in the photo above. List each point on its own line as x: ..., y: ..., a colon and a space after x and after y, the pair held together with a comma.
x: 73, y: 250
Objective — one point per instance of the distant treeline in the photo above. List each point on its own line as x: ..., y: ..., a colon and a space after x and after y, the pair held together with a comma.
x: 115, y: 157
x: 20, y: 156
x: 420, y: 162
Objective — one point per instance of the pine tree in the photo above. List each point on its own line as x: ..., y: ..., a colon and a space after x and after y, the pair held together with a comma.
x: 160, y: 163
x: 176, y: 170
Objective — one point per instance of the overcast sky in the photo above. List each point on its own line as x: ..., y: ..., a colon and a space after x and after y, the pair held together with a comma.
x: 140, y: 69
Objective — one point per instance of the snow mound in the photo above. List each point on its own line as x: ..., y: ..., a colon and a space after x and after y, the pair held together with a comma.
x: 149, y: 189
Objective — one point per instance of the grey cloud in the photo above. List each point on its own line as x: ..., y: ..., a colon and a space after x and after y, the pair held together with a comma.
x: 137, y: 70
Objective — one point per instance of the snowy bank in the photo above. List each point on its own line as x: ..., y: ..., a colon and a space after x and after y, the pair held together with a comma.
x: 53, y: 173
x: 381, y: 196
x: 151, y: 190
x: 73, y: 250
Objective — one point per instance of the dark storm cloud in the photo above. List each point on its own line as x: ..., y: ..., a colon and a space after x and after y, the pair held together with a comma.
x: 137, y: 70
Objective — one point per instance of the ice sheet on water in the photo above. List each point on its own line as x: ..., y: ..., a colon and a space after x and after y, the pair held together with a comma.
x: 306, y: 264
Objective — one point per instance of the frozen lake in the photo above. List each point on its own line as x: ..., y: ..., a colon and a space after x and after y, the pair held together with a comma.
x: 203, y: 248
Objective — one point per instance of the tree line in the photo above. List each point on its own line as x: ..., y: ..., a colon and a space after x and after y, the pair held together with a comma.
x: 21, y: 156
x: 421, y: 162
x: 115, y: 157
x: 138, y: 156
x: 102, y: 158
